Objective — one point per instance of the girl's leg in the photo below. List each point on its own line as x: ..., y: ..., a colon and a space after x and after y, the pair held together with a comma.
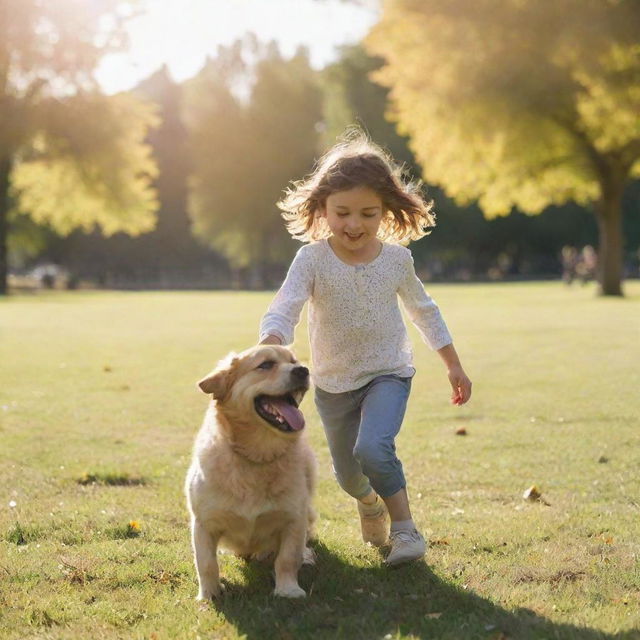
x: 398, y: 506
x: 383, y: 408
x: 383, y: 404
x: 340, y: 416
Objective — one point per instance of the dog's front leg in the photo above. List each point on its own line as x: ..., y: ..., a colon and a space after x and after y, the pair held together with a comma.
x: 288, y: 562
x: 205, y: 549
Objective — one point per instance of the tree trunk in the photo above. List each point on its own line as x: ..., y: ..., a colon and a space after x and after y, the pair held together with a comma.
x: 5, y: 170
x: 610, y: 247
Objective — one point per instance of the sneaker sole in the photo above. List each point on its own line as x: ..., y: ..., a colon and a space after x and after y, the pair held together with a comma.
x: 399, y: 563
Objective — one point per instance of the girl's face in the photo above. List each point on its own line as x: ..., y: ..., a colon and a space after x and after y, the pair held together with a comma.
x: 354, y: 217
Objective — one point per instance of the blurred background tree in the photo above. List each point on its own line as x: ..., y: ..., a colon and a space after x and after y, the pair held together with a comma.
x: 520, y: 103
x: 464, y: 244
x: 229, y: 141
x: 252, y: 118
x: 168, y: 256
x: 350, y: 96
x: 70, y: 157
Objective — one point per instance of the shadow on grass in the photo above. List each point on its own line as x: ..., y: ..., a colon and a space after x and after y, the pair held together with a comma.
x: 351, y: 602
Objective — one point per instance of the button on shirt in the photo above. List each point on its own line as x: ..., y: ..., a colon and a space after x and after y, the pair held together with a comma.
x: 356, y: 330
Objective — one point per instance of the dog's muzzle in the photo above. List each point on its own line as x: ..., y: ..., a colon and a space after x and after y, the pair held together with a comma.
x: 282, y: 412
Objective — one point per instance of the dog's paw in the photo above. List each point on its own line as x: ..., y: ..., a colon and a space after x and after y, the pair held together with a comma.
x: 210, y: 593
x: 309, y: 556
x: 290, y: 591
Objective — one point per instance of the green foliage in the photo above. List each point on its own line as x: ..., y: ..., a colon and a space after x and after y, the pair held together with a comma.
x: 506, y: 106
x: 75, y: 158
x: 90, y: 166
x: 220, y: 153
x: 520, y: 103
x: 26, y: 239
x: 350, y: 96
x: 463, y: 239
x: 246, y: 150
x: 63, y: 40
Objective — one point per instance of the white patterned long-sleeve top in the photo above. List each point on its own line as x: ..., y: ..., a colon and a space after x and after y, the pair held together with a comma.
x: 356, y: 330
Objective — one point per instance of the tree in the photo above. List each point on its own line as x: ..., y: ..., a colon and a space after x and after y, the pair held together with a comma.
x: 246, y: 149
x: 520, y: 103
x: 70, y: 157
x: 283, y: 116
x: 350, y: 96
x: 167, y: 256
x: 219, y: 152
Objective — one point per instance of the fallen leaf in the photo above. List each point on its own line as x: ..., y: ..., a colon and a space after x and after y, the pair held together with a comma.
x: 533, y: 494
x: 435, y: 541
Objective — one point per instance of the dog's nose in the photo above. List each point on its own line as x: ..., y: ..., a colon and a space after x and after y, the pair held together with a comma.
x: 301, y: 373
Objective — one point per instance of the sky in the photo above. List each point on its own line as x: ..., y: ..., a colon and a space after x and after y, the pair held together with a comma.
x: 181, y: 33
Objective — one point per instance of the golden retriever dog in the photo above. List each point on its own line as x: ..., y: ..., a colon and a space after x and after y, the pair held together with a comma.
x: 252, y: 476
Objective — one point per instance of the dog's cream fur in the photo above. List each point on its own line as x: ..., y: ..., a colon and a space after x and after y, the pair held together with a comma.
x: 250, y: 484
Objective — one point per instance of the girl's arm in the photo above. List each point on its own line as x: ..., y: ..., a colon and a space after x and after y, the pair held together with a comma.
x: 421, y: 308
x: 278, y: 323
x: 425, y: 315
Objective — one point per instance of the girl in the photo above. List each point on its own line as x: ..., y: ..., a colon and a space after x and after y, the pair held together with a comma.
x: 354, y: 210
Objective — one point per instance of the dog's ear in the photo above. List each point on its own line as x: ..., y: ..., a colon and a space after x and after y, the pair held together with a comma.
x: 215, y: 383
x: 219, y: 381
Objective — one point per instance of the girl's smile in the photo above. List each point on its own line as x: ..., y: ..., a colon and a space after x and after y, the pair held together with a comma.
x: 354, y: 216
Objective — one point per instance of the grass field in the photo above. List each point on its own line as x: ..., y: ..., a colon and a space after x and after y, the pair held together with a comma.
x: 98, y: 409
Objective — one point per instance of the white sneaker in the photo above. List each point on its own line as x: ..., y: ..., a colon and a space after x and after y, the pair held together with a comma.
x: 405, y: 547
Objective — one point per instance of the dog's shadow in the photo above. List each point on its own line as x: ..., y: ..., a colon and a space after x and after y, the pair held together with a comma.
x: 346, y: 601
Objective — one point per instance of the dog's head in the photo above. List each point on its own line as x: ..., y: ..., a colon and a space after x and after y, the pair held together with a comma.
x: 265, y: 384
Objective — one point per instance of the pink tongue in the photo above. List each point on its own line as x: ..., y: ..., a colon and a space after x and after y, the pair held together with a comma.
x: 290, y: 413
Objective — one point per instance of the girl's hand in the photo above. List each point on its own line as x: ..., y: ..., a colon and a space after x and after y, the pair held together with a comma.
x: 460, y: 384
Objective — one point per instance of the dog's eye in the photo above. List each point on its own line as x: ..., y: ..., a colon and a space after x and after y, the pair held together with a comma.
x: 267, y: 364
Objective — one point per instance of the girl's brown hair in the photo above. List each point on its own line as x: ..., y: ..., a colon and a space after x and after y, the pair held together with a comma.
x: 353, y: 162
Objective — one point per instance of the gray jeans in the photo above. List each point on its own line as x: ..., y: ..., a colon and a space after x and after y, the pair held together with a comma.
x: 361, y: 426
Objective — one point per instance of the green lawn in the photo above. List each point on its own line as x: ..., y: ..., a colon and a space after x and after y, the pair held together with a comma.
x: 98, y: 409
